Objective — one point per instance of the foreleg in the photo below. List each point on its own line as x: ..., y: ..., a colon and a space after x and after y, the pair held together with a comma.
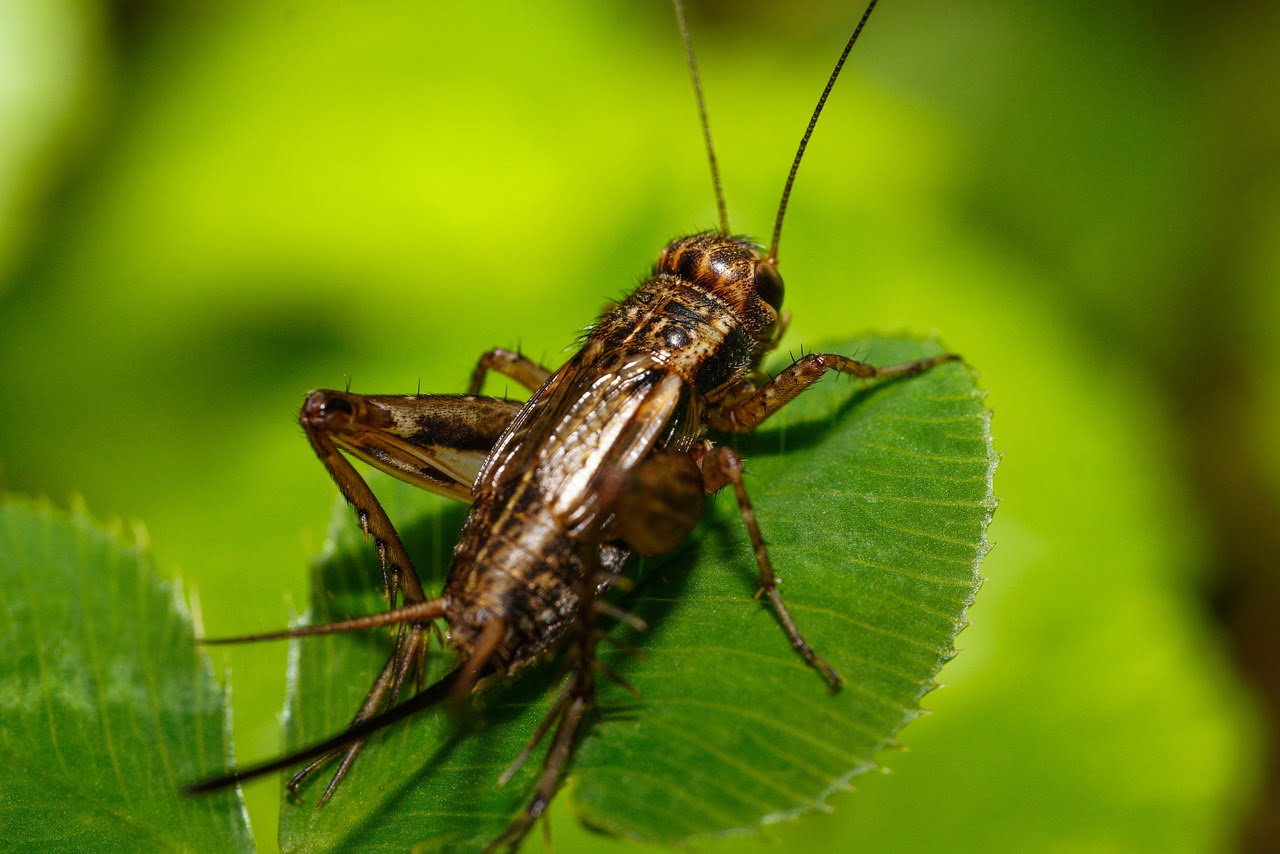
x: 743, y: 415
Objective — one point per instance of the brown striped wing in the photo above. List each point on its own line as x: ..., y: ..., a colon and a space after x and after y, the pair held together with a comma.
x: 589, y: 419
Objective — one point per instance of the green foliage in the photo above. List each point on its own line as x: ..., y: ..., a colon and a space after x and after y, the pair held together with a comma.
x: 874, y: 501
x: 252, y: 199
x: 108, y: 707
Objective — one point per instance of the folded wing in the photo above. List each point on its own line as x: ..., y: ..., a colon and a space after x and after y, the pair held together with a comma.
x: 587, y: 422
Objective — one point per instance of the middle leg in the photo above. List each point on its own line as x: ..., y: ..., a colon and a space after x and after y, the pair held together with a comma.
x: 510, y: 364
x: 722, y: 466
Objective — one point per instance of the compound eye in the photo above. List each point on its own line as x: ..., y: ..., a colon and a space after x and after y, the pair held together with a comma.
x: 769, y: 285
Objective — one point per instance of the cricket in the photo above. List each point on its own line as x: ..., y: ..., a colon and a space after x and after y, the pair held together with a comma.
x: 610, y: 457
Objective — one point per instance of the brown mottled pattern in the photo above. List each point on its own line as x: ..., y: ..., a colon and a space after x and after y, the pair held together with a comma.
x: 636, y: 386
x: 435, y: 441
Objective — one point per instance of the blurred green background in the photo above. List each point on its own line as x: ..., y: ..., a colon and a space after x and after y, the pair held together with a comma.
x: 207, y: 209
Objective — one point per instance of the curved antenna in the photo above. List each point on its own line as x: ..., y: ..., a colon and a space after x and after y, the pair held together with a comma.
x: 808, y: 132
x: 702, y: 113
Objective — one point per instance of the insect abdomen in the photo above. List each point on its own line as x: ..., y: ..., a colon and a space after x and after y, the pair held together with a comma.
x: 511, y: 562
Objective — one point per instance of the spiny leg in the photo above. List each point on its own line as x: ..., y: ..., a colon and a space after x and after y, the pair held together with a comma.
x: 411, y: 643
x: 411, y: 647
x: 437, y: 442
x: 565, y: 696
x: 722, y: 466
x: 745, y: 414
x: 569, y: 710
x: 570, y: 714
x: 370, y: 707
x: 544, y: 726
x: 416, y: 620
x: 383, y: 695
x: 513, y: 365
x: 558, y: 756
x: 397, y: 566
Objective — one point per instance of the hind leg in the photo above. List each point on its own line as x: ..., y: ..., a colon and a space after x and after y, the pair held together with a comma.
x: 435, y: 441
x: 410, y: 649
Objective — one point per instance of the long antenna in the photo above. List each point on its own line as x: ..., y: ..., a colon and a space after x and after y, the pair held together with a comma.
x: 808, y: 132
x: 702, y: 113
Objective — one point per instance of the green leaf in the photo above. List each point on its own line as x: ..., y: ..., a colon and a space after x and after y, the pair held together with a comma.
x: 108, y: 707
x: 874, y: 500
